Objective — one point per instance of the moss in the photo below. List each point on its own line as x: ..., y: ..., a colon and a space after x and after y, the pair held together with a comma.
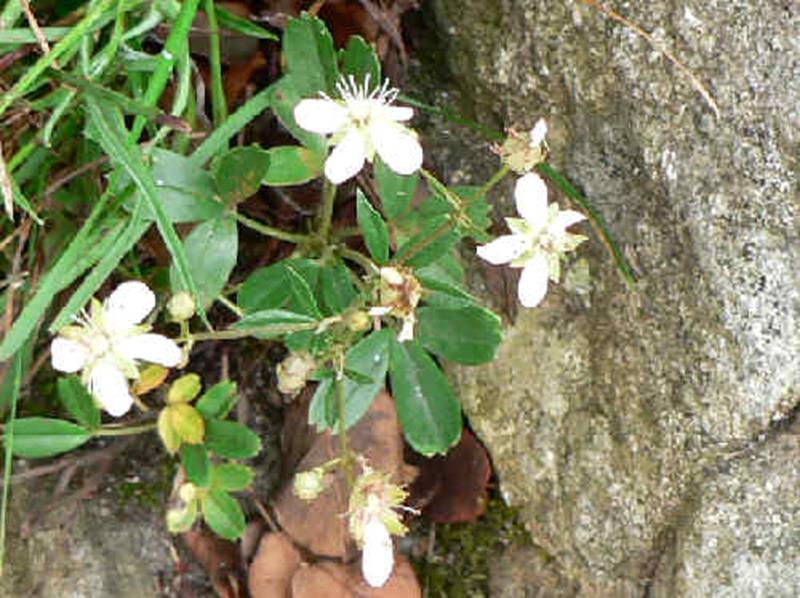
x: 458, y: 562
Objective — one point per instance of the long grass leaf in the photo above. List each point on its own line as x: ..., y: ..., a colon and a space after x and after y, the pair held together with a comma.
x: 177, y: 40
x: 68, y: 43
x: 218, y: 104
x: 218, y: 140
x: 109, y: 126
x: 8, y: 446
x: 86, y: 248
x: 133, y: 232
x: 595, y: 217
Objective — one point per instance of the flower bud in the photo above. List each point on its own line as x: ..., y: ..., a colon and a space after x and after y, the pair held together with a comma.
x: 293, y: 372
x: 357, y: 320
x: 309, y: 484
x: 523, y: 151
x: 181, y: 306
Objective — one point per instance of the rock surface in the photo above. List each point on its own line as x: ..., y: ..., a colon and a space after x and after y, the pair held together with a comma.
x: 617, y: 419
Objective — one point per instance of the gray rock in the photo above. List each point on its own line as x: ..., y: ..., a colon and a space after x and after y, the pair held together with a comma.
x: 604, y: 414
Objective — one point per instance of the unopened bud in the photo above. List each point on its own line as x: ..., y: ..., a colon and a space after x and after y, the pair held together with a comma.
x: 293, y: 372
x: 309, y: 484
x: 357, y: 320
x: 181, y: 306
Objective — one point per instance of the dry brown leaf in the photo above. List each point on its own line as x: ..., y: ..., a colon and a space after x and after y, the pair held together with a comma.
x: 320, y: 525
x: 271, y: 571
x: 221, y: 561
x: 453, y: 488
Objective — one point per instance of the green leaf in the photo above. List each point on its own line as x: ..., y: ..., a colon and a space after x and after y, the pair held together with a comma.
x: 237, y: 24
x: 211, y: 251
x: 230, y: 477
x: 36, y: 437
x: 432, y: 252
x: 396, y: 190
x: 310, y: 57
x: 360, y: 60
x: 115, y: 142
x: 376, y: 235
x: 467, y: 335
x: 238, y: 173
x: 272, y: 323
x: 266, y: 287
x: 223, y: 514
x: 186, y: 190
x: 478, y: 211
x: 337, y: 289
x: 284, y: 96
x: 78, y: 402
x: 218, y: 400
x: 302, y: 294
x: 292, y: 165
x: 196, y: 464
x: 231, y: 440
x: 426, y: 405
x: 370, y: 358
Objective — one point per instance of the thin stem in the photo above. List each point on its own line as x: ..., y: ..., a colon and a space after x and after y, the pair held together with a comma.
x: 496, y: 178
x: 8, y: 445
x: 230, y: 305
x: 218, y: 104
x: 358, y: 258
x: 417, y: 247
x: 270, y: 231
x: 344, y: 451
x: 326, y: 213
x: 274, y: 329
x: 127, y: 430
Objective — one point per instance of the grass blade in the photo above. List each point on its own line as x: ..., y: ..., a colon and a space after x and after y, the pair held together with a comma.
x: 218, y: 105
x: 218, y: 140
x: 8, y: 445
x: 68, y: 43
x: 110, y: 128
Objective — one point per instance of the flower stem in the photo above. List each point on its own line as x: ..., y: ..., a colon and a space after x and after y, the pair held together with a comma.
x: 344, y: 451
x: 496, y: 178
x: 127, y: 430
x: 232, y: 334
x: 326, y: 213
x: 271, y: 231
x: 358, y: 258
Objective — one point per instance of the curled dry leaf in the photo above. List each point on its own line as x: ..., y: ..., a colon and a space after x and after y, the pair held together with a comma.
x: 221, y: 560
x: 335, y: 580
x: 453, y: 488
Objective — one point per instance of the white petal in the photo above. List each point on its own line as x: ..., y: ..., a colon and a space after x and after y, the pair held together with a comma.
x: 407, y: 331
x: 128, y: 305
x: 536, y: 136
x: 346, y: 159
x: 397, y: 146
x: 503, y: 249
x: 399, y: 113
x: 380, y: 310
x: 67, y: 355
x: 320, y: 116
x: 564, y: 220
x: 377, y: 559
x: 109, y: 386
x: 533, y: 282
x: 154, y: 348
x: 530, y: 195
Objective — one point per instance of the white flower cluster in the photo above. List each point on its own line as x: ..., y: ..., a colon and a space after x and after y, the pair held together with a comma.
x: 107, y: 343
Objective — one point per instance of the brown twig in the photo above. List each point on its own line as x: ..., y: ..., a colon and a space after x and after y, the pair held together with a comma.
x: 37, y: 31
x: 380, y: 18
x: 70, y: 461
x: 67, y: 177
x: 699, y: 87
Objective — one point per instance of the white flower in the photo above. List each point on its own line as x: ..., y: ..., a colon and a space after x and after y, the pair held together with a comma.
x: 537, y: 241
x: 377, y: 557
x: 109, y: 341
x: 361, y: 123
